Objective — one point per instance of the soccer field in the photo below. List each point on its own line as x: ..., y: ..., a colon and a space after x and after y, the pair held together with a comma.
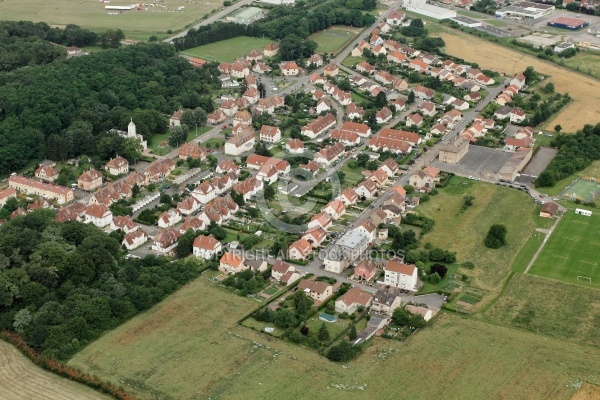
x: 572, y: 251
x: 582, y: 189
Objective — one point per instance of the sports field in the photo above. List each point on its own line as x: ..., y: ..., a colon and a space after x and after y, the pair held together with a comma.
x: 334, y: 39
x: 584, y: 190
x: 189, y: 347
x: 573, y: 250
x: 230, y: 49
x: 20, y: 379
x: 150, y: 20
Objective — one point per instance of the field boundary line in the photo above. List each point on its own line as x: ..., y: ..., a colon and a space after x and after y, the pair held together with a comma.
x: 539, y: 250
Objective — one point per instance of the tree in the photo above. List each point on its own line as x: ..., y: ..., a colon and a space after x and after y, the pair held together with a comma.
x: 218, y: 232
x: 352, y: 335
x: 530, y: 75
x: 548, y: 88
x: 496, y: 236
x: 380, y: 100
x: 185, y: 243
x: 435, y: 278
x: 302, y: 302
x: 546, y: 179
x: 293, y: 47
x: 178, y: 135
x: 135, y: 191
x: 323, y: 334
x: 238, y: 198
x: 212, y: 160
x: 557, y: 128
x: 22, y: 320
x: 165, y: 199
x: 362, y: 159
x: 411, y: 97
x: 342, y: 352
x: 193, y: 118
x: 269, y: 192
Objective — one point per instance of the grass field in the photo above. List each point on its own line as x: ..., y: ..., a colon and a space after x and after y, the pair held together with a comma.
x: 549, y: 307
x: 582, y: 189
x: 583, y: 89
x: 334, y: 39
x: 20, y: 379
x: 229, y: 49
x: 465, y: 232
x: 572, y: 250
x: 91, y: 14
x: 190, y: 347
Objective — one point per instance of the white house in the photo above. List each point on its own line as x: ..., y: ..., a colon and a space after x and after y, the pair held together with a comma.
x: 206, y: 247
x: 134, y: 239
x: 165, y: 241
x: 98, y: 215
x: 400, y: 275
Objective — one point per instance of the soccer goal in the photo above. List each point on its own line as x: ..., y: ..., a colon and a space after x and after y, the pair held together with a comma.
x: 584, y: 278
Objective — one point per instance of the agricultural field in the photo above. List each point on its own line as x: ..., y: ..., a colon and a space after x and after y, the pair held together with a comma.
x: 572, y: 251
x: 190, y: 345
x: 229, y: 49
x: 334, y: 39
x: 582, y: 89
x: 92, y: 15
x: 20, y: 379
x: 464, y: 232
x: 549, y: 307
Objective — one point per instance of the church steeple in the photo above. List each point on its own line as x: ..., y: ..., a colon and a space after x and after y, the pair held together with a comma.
x: 131, y: 130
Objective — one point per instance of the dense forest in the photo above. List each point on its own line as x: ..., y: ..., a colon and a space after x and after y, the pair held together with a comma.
x: 575, y: 152
x: 283, y: 21
x: 64, y: 109
x: 62, y: 285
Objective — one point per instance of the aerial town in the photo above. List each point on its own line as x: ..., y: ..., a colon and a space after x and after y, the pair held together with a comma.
x: 336, y: 191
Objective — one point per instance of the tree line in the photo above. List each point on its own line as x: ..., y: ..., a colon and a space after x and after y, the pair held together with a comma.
x: 65, y: 109
x: 63, y: 285
x: 282, y: 22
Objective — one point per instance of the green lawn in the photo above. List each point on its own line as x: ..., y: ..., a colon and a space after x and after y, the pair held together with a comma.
x: 351, y: 61
x: 229, y: 49
x: 464, y: 232
x: 572, y: 250
x: 495, y: 22
x: 333, y: 40
x: 136, y: 24
x: 526, y: 254
x: 587, y: 62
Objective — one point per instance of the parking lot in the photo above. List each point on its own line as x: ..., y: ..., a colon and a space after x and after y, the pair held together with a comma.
x: 540, y: 161
x: 492, y: 30
x: 479, y: 162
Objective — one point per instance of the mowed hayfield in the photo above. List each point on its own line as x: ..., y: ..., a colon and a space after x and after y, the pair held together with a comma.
x: 91, y: 14
x: 20, y: 379
x: 572, y: 250
x: 189, y: 346
x: 229, y: 49
x: 583, y: 89
x: 549, y: 307
x: 464, y: 232
x: 334, y: 39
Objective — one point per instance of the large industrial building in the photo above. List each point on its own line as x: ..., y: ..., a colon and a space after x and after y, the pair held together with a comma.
x: 421, y: 7
x: 525, y: 10
x: 572, y: 24
x: 246, y: 15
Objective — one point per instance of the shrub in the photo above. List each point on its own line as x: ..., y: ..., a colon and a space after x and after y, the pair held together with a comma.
x: 435, y: 278
x: 342, y: 352
x: 440, y: 269
x: 496, y: 236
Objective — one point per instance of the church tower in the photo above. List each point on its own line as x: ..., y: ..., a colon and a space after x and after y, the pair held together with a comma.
x: 131, y: 132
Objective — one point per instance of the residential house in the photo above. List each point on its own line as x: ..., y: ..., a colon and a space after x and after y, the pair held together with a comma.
x: 454, y: 151
x: 414, y: 120
x: 365, y: 68
x: 426, y: 313
x: 365, y: 270
x: 390, y: 167
x: 358, y: 50
x: 398, y: 104
x: 315, y: 236
x: 134, y: 239
x: 31, y: 186
x: 322, y: 220
x: 72, y: 212
x: 241, y: 143
x: 204, y: 192
x: 206, y: 247
x: 517, y: 115
x: 400, y: 275
x: 425, y: 178
x: 284, y: 273
x: 239, y: 69
x: 117, y: 166
x: 502, y: 113
x: 317, y: 79
x: 318, y: 126
x: 323, y: 105
x: 232, y: 263
x: 423, y: 93
x: 460, y: 104
x: 242, y: 118
x: 254, y: 55
x: 354, y: 112
x: 329, y: 154
x: 46, y: 173
x: 193, y: 223
x: 318, y: 291
x: 158, y: 170
x: 395, y: 17
x: 368, y: 228
x: 335, y: 208
x: 271, y: 134
x: 216, y: 117
x: 384, y: 77
x: 348, y: 197
x: 98, y: 215
x: 354, y: 298
x: 123, y: 223
x: 386, y: 300
x: 289, y: 68
x: 191, y: 150
x: 331, y: 70
x: 428, y: 108
x: 396, y: 57
x: 347, y: 138
x: 8, y: 193
x: 271, y: 50
x: 299, y: 250
x: 518, y: 80
x: 366, y: 189
x: 418, y: 66
x: 248, y: 188
x: 189, y: 205
x: 252, y: 95
x: 294, y: 146
x: 165, y: 241
x: 384, y: 115
x: 169, y: 218
x: 315, y: 60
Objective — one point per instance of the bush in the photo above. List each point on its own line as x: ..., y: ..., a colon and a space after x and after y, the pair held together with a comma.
x: 440, y: 269
x: 496, y: 237
x: 434, y: 278
x: 342, y: 352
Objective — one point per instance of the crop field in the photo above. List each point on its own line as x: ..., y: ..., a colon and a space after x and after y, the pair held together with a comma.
x: 549, y: 307
x: 582, y: 89
x: 91, y: 14
x: 464, y: 232
x: 189, y: 346
x: 229, y: 49
x: 20, y: 379
x: 334, y: 39
x: 572, y: 251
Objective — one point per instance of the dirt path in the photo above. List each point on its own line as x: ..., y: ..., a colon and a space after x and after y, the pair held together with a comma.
x: 20, y: 379
x: 584, y: 90
x: 537, y: 253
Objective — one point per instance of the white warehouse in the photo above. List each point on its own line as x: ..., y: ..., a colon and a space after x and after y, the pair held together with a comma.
x: 421, y: 7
